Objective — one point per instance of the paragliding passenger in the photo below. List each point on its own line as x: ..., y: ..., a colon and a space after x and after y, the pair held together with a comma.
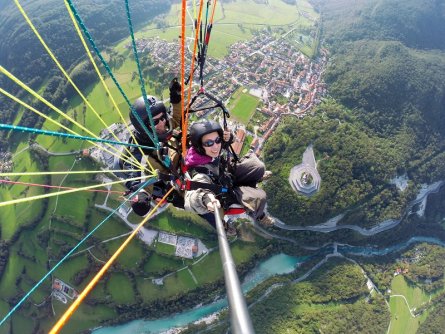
x: 207, y: 162
x: 166, y: 159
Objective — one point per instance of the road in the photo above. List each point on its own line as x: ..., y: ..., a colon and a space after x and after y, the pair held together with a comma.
x: 406, y: 301
x: 383, y: 226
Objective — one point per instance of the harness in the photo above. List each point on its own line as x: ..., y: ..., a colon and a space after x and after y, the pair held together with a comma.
x: 221, y: 184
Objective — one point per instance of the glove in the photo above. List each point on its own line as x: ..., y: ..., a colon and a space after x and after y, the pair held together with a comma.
x: 132, y: 187
x: 209, y: 200
x: 175, y: 91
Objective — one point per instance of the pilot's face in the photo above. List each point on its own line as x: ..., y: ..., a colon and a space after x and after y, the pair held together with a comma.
x: 160, y: 123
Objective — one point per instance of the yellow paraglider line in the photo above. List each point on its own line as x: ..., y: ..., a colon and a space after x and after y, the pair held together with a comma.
x: 57, y: 110
x: 50, y: 53
x: 69, y: 312
x: 33, y: 198
x: 82, y: 39
x: 137, y: 163
x: 64, y: 172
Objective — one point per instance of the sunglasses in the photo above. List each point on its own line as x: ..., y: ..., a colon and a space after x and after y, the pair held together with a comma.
x: 157, y: 120
x: 211, y: 142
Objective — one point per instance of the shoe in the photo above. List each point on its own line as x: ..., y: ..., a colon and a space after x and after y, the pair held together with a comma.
x: 267, y: 174
x: 266, y: 220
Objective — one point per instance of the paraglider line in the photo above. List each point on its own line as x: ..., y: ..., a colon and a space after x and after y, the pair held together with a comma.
x: 53, y: 57
x: 67, y: 135
x: 60, y: 187
x: 29, y: 199
x: 68, y: 255
x: 68, y: 313
x: 135, y: 162
x: 108, y: 93
x: 57, y: 110
x: 107, y: 67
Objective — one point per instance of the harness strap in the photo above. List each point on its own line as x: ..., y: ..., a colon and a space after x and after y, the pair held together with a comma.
x: 194, y: 185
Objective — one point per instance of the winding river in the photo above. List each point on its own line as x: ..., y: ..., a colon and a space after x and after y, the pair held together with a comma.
x: 275, y: 265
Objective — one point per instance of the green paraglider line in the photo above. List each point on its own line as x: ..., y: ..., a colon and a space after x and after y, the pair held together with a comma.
x: 105, y: 64
x: 67, y: 135
x: 141, y: 78
x: 72, y: 251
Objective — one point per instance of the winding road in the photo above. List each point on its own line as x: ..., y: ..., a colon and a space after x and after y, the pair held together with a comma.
x: 383, y: 226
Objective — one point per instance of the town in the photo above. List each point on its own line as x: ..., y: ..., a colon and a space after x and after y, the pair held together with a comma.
x: 286, y: 81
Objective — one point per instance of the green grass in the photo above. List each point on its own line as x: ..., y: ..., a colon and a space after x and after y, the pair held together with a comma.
x: 242, y: 251
x: 85, y: 317
x: 242, y: 106
x: 120, y: 288
x: 168, y: 222
x: 179, y: 282
x: 401, y: 319
x: 111, y: 228
x: 15, y: 269
x: 413, y: 294
x: 21, y: 324
x: 158, y: 263
x: 70, y: 267
x: 7, y: 216
x: 39, y: 295
x: 11, y: 217
x: 150, y: 291
x: 209, y: 269
x: 132, y: 254
x: 165, y: 248
x: 4, y: 309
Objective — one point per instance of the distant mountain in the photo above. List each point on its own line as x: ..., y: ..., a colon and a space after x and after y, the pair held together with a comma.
x: 389, y: 61
x: 417, y: 24
x: 22, y: 53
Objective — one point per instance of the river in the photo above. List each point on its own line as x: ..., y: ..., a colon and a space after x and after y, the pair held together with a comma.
x: 275, y: 265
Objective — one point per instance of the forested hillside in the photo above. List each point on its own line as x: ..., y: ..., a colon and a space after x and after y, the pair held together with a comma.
x: 22, y: 54
x: 418, y: 24
x: 388, y: 118
x: 388, y: 61
x: 332, y: 302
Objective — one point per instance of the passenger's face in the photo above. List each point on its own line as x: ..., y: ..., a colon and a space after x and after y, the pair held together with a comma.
x: 211, y: 143
x: 161, y: 126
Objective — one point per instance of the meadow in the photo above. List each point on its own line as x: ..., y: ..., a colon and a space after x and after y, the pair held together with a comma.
x: 233, y: 22
x: 401, y: 319
x: 242, y: 106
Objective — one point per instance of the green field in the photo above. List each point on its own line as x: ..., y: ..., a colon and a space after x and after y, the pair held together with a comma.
x: 23, y: 213
x: 120, y: 288
x: 131, y: 255
x: 401, y: 319
x: 158, y: 263
x: 165, y: 248
x: 170, y: 222
x: 242, y: 106
x: 234, y: 21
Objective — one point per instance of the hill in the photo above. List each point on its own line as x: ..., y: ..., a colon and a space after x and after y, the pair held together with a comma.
x: 22, y: 54
x: 389, y: 111
x: 418, y: 24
